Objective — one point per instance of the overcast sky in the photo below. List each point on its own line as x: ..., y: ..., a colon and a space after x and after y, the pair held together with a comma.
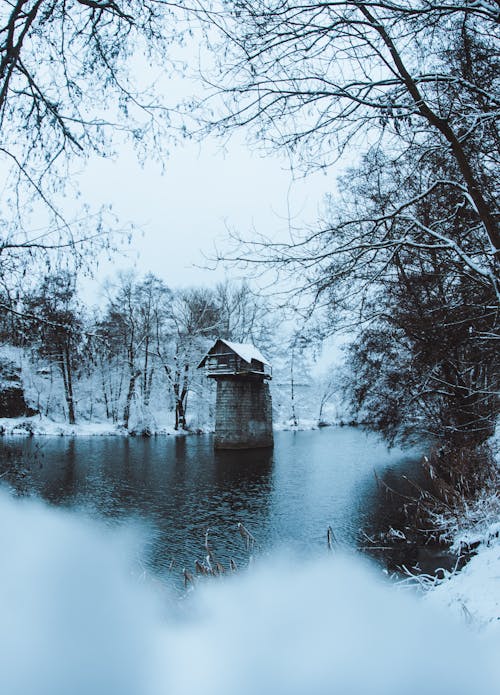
x: 180, y: 214
x: 207, y: 187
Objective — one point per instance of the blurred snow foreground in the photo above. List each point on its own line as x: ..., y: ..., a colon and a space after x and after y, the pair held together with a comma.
x: 76, y: 619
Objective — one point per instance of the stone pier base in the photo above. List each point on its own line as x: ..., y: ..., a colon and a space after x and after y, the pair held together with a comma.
x: 244, y: 417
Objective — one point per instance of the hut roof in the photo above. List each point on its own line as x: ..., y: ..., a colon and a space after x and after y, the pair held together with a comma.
x: 246, y: 351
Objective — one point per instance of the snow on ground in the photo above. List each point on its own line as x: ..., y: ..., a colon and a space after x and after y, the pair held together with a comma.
x: 288, y: 426
x: 473, y: 594
x: 41, y: 425
x: 77, y: 617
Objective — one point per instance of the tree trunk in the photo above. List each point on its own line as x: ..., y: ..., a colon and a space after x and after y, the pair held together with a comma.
x: 105, y: 394
x: 130, y: 395
x: 181, y: 388
x: 65, y: 365
x: 321, y: 406
x: 184, y: 394
x: 180, y: 415
x: 292, y: 387
x: 148, y: 387
x: 145, y: 371
x: 70, y: 400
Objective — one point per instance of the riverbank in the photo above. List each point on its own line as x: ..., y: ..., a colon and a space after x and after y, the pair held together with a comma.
x: 40, y: 425
x: 472, y: 594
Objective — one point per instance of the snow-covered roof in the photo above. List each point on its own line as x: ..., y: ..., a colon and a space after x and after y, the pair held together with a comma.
x: 246, y: 351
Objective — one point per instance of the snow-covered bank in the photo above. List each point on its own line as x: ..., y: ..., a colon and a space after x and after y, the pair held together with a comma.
x: 78, y: 617
x: 43, y: 426
x: 38, y: 425
x: 473, y: 594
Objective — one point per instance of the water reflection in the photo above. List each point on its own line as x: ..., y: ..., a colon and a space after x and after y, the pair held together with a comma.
x: 179, y: 487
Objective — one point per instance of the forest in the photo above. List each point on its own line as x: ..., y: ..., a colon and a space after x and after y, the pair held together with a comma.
x: 133, y: 363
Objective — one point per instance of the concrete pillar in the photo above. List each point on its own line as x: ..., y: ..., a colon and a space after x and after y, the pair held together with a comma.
x: 243, y: 417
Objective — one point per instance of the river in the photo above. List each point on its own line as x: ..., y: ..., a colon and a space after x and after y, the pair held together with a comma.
x: 177, y: 487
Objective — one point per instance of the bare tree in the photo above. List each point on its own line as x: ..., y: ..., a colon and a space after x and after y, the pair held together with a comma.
x: 53, y: 321
x: 135, y: 311
x: 330, y: 388
x: 195, y: 319
x: 245, y: 317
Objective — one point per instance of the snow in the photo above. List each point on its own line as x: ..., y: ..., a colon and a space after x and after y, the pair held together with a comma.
x: 473, y: 594
x: 303, y: 424
x: 246, y: 351
x: 40, y: 425
x: 44, y: 426
x: 37, y: 425
x: 79, y: 610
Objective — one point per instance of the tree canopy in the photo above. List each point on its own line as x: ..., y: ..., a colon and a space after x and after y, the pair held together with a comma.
x: 319, y: 77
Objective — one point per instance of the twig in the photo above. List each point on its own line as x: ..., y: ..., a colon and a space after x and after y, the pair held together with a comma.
x: 330, y: 539
x: 247, y: 536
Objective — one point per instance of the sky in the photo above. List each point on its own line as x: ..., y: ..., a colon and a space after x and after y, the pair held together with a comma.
x: 206, y: 187
x: 182, y: 214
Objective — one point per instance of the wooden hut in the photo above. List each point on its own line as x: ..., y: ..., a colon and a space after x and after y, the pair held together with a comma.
x: 243, y: 416
x: 235, y: 359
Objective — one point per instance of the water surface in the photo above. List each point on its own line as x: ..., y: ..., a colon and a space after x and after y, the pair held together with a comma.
x: 177, y: 487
